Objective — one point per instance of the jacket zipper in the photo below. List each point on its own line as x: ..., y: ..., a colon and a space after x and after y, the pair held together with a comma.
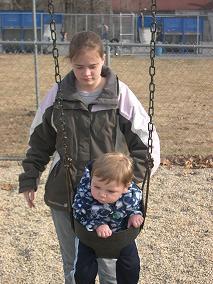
x: 89, y: 109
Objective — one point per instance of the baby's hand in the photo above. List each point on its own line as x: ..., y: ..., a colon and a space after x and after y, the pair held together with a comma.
x: 135, y: 221
x: 103, y: 231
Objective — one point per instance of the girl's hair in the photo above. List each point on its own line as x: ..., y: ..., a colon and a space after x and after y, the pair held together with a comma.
x: 113, y: 166
x: 85, y: 40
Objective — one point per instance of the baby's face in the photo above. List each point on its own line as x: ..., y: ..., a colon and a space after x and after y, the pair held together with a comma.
x: 106, y: 192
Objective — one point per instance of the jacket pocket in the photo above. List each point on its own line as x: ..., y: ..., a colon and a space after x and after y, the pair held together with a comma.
x: 56, y: 191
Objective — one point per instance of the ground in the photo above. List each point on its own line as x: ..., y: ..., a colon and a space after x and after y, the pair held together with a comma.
x: 175, y: 246
x: 176, y: 243
x: 183, y: 99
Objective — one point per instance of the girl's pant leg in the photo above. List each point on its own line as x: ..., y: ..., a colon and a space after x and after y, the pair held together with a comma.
x: 107, y: 271
x: 68, y: 244
x: 128, y: 265
x: 86, y: 267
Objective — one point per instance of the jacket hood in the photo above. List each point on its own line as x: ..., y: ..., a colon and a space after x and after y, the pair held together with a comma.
x: 107, y: 96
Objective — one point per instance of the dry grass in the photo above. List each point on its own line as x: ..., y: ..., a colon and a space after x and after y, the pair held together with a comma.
x: 175, y: 246
x: 182, y: 107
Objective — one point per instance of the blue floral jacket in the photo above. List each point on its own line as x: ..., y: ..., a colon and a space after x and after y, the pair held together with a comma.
x: 91, y: 213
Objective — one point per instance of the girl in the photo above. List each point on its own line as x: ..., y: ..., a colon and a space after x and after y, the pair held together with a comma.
x: 102, y: 115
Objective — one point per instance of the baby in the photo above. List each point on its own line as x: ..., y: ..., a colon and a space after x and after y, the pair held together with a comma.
x: 107, y: 200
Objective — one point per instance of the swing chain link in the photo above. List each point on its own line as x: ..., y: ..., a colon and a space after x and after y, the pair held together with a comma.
x: 55, y: 54
x: 150, y: 163
x: 153, y: 29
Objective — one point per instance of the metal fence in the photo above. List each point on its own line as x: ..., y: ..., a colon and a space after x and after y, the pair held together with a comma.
x: 177, y: 34
x: 183, y: 98
x: 182, y: 38
x: 185, y: 28
x: 18, y: 26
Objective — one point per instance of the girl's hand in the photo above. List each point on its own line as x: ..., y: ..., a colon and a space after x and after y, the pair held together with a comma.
x: 29, y: 197
x: 135, y: 221
x: 103, y: 231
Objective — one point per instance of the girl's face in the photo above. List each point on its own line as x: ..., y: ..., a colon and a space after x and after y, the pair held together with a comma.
x: 106, y: 192
x: 87, y: 67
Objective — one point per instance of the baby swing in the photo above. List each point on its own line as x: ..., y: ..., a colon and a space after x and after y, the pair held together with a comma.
x: 109, y: 247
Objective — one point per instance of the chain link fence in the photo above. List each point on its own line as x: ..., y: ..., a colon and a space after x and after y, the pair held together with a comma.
x: 183, y: 98
x: 17, y: 34
x: 183, y: 75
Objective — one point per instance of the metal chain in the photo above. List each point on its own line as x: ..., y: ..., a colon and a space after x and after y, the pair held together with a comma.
x: 149, y: 162
x: 153, y: 29
x: 59, y: 104
x: 55, y: 53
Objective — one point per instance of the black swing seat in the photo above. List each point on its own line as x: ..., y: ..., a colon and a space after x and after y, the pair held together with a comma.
x: 109, y: 247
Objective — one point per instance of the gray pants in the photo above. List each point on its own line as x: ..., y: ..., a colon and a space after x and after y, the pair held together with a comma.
x: 68, y: 244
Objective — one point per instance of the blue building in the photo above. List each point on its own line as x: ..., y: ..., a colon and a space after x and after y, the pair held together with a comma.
x: 18, y: 26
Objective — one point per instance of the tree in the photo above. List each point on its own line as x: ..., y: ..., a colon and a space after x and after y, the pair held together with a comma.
x: 64, y: 6
x: 87, y: 6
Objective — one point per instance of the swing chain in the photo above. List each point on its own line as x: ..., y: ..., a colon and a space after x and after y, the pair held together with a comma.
x: 153, y: 29
x: 55, y: 53
x: 149, y: 161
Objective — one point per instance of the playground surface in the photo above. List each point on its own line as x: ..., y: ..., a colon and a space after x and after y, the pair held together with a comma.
x: 176, y: 243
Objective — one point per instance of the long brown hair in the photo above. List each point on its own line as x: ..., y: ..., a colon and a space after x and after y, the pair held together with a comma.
x: 85, y: 40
